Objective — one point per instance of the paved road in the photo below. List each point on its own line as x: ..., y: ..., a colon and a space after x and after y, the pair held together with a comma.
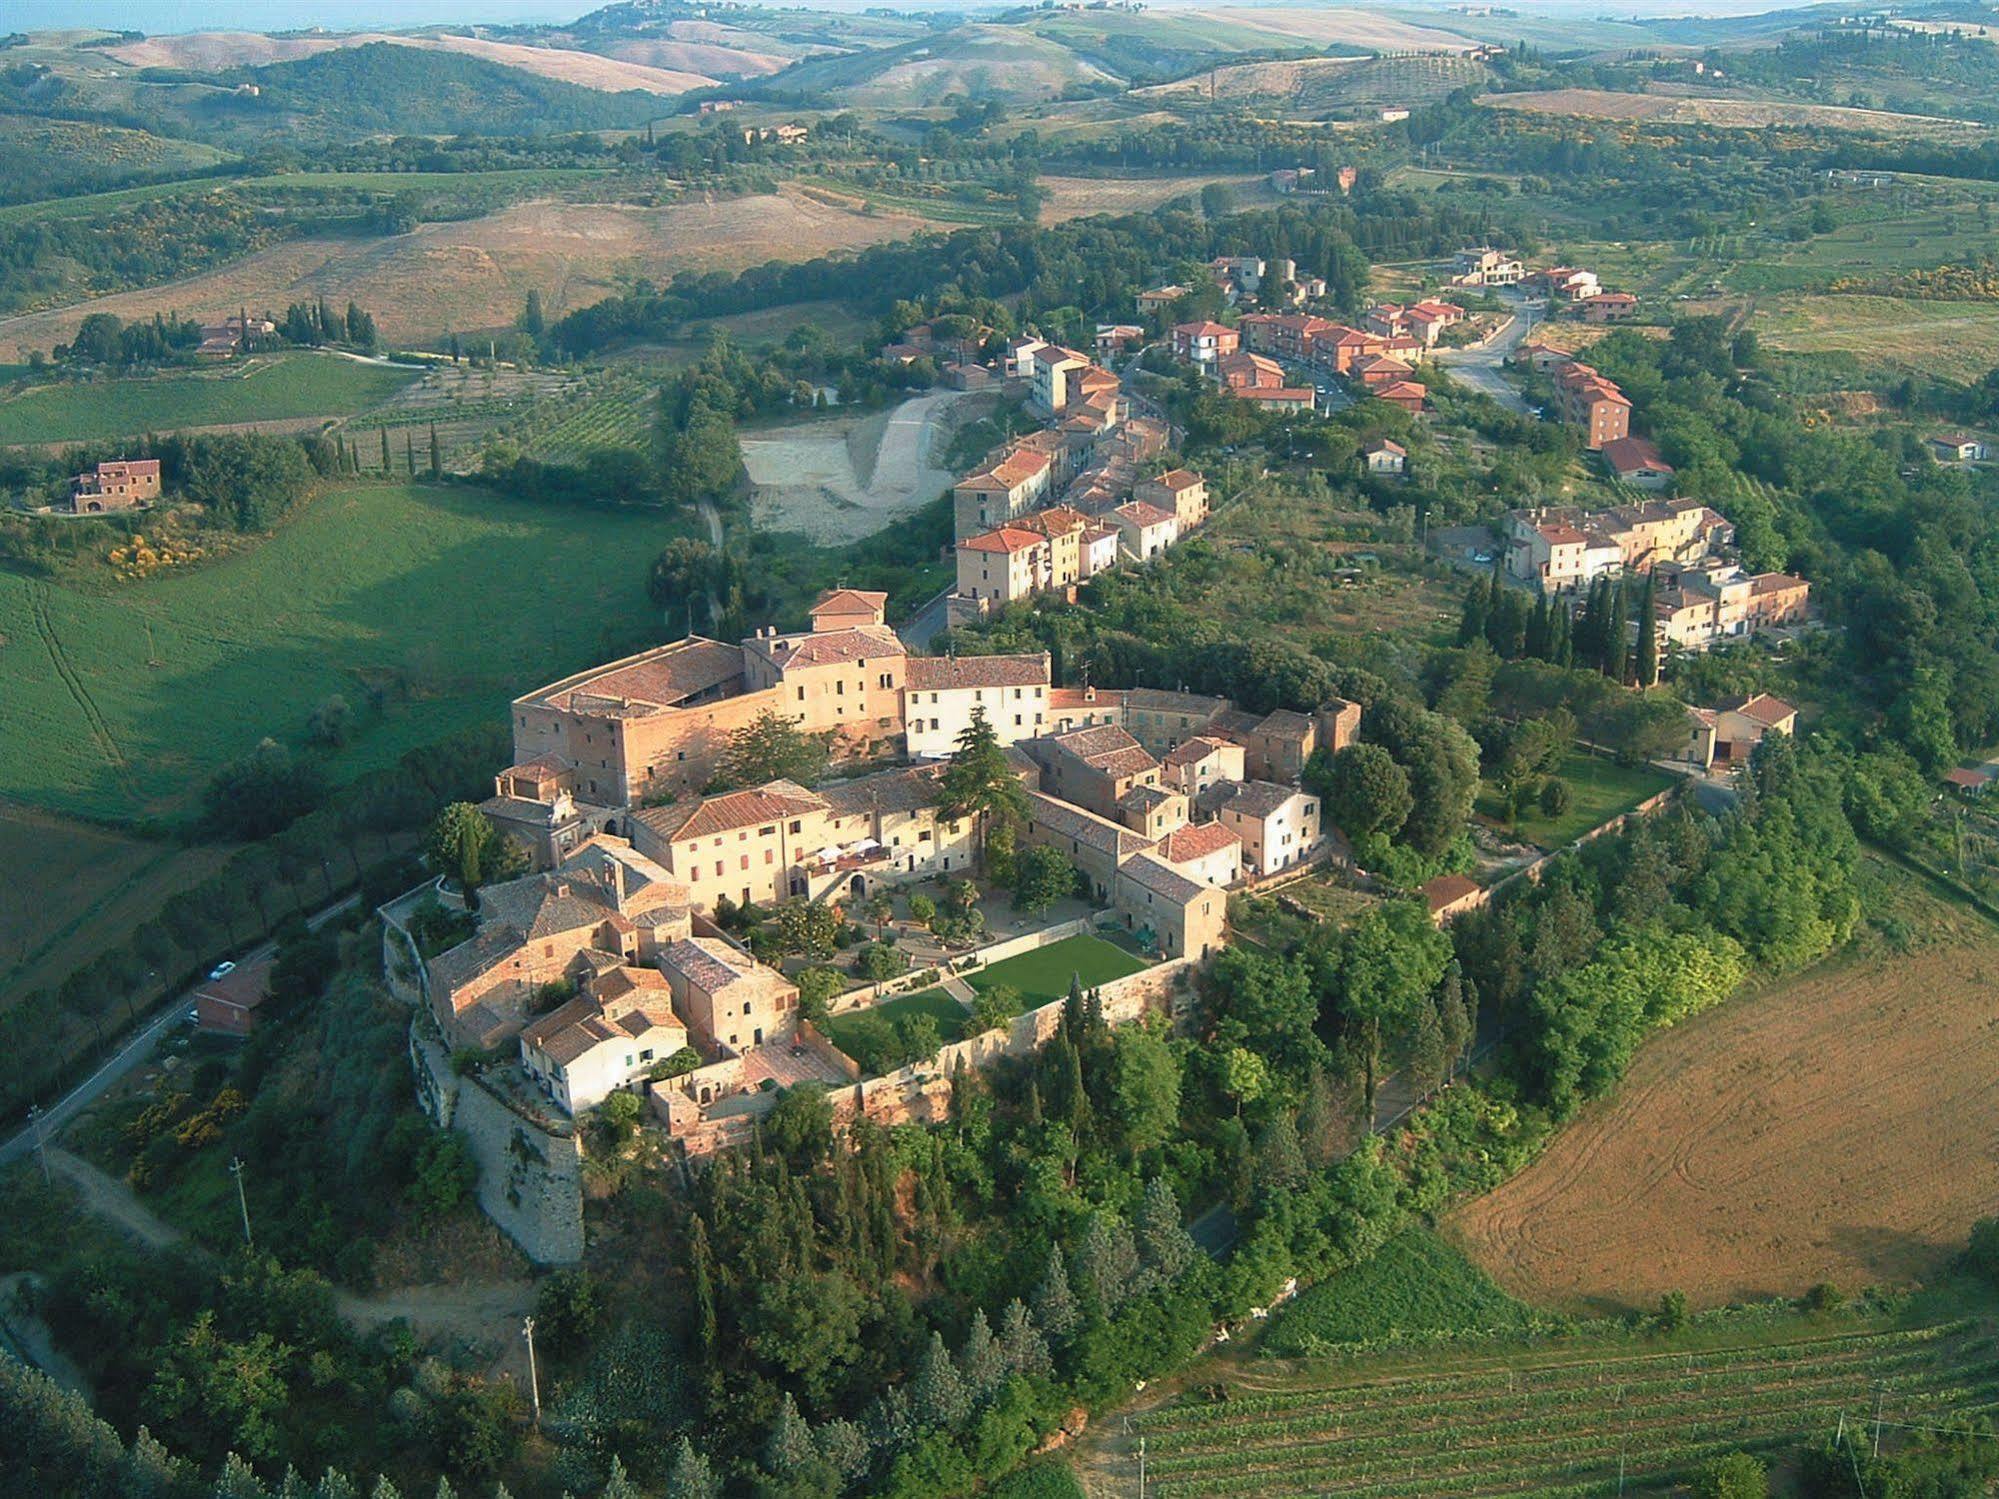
x: 1478, y: 365
x: 134, y: 1053
x: 926, y: 624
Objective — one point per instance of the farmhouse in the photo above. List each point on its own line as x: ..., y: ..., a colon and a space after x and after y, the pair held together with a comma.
x: 1609, y: 307
x: 1385, y: 457
x: 123, y: 484
x: 1956, y: 447
x: 1404, y: 393
x: 1727, y: 733
x: 228, y: 1006
x: 1450, y: 895
x: 1482, y: 265
x: 1277, y: 825
x: 1701, y: 603
x: 1160, y: 298
x: 1636, y: 460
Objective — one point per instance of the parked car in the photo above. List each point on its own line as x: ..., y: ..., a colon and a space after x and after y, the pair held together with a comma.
x: 194, y: 1017
x: 221, y: 970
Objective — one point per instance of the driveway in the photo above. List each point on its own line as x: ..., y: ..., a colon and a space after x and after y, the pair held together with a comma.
x: 134, y: 1053
x: 1478, y: 365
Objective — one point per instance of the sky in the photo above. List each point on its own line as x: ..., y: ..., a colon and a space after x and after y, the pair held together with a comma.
x: 347, y: 15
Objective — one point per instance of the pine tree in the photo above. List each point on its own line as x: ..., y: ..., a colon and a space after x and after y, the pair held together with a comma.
x: 611, y: 1490
x: 333, y: 1484
x: 937, y: 1396
x: 1280, y: 1159
x: 1055, y: 1306
x: 842, y: 1447
x: 383, y: 1489
x: 982, y: 1361
x: 789, y: 1446
x: 1021, y: 1343
x: 1648, y: 634
x: 689, y: 1476
x: 150, y: 1471
x: 238, y: 1480
x: 1163, y: 1241
x: 1107, y: 1267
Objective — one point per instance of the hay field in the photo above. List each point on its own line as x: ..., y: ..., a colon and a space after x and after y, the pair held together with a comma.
x: 474, y: 275
x: 1077, y: 197
x: 1315, y: 84
x: 715, y: 59
x: 1841, y: 1126
x: 1332, y: 27
x: 1743, y: 114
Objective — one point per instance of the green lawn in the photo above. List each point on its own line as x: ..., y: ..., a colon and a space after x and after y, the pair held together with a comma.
x: 1416, y: 1284
x: 449, y: 600
x: 1599, y: 790
x: 292, y: 386
x: 939, y: 1006
x: 1044, y: 974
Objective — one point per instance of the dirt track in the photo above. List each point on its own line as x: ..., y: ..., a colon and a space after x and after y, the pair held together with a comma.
x: 1843, y: 1127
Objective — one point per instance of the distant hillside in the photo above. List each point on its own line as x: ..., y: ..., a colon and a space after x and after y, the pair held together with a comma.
x: 975, y: 62
x: 1315, y: 85
x: 401, y: 90
x: 60, y: 158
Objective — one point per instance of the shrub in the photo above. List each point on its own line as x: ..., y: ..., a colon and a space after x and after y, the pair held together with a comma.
x: 1555, y: 796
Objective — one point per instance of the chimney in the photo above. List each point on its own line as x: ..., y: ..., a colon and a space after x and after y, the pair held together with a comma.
x: 618, y: 885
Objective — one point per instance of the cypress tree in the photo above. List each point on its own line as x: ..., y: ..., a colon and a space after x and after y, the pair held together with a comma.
x: 701, y: 1267
x: 1648, y: 634
x: 409, y: 451
x: 436, y: 455
x: 385, y: 452
x: 1616, y: 644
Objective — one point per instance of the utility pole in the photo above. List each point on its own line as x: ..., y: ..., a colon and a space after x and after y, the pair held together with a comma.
x: 242, y: 1202
x: 534, y: 1379
x: 1879, y: 1392
x: 41, y: 1148
x: 1141, y: 1468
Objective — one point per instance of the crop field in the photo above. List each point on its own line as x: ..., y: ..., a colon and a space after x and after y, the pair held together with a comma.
x: 468, y: 408
x: 425, y: 607
x: 1076, y: 197
x: 1836, y: 1126
x: 1556, y: 1418
x: 1744, y: 114
x: 293, y: 386
x: 70, y: 883
x: 1599, y: 790
x: 1957, y: 340
x: 1309, y: 85
x: 1044, y: 974
x: 473, y: 275
x: 1333, y: 26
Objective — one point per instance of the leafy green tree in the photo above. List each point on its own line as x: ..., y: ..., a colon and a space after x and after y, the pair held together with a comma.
x: 1734, y: 1475
x: 770, y: 747
x: 1554, y: 796
x: 807, y: 928
x: 1364, y: 789
x: 1382, y: 976
x: 817, y: 989
x: 568, y: 1310
x: 800, y: 1128
x: 809, y: 1327
x: 464, y: 844
x: 1144, y: 1102
x: 1164, y: 1244
x: 1041, y: 877
x: 1056, y: 1310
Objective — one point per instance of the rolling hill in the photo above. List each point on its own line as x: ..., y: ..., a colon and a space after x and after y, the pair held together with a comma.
x: 1312, y: 85
x: 1010, y: 63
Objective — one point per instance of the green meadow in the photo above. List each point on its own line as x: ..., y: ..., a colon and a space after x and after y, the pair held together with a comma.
x: 427, y: 608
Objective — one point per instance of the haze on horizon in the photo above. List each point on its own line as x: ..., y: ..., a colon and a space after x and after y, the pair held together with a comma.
x: 168, y: 16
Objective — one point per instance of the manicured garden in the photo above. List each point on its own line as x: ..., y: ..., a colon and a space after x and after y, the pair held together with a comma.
x: 850, y: 1030
x: 1045, y: 974
x: 1599, y: 789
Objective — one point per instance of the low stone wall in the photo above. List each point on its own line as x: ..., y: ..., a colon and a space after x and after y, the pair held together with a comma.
x: 530, y: 1179
x: 869, y: 995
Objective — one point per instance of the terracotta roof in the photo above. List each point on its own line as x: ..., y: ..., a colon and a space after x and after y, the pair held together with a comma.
x: 1057, y: 520
x: 714, y: 964
x: 1067, y: 821
x: 1162, y: 879
x: 853, y: 598
x: 1447, y: 890
x: 1082, y: 697
x: 1630, y: 455
x: 1292, y: 393
x: 1402, y: 390
x: 659, y: 678
x: 1006, y: 539
x: 1383, y: 445
x: 1018, y: 467
x: 902, y: 790
x: 1158, y: 700
x: 1206, y: 328
x: 945, y: 673
x: 1284, y: 722
x: 244, y: 987
x: 1969, y: 780
x: 1144, y: 515
x: 1196, y: 749
x: 1146, y: 798
x: 1258, y: 799
x: 1178, y: 479
x: 827, y: 647
x: 735, y: 809
x: 1196, y: 841
x: 1762, y: 707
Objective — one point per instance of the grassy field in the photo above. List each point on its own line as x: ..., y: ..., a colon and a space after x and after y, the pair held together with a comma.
x: 1044, y: 974
x: 262, y: 390
x: 124, y: 701
x: 1591, y: 1416
x: 939, y: 1006
x: 1599, y: 790
x: 1416, y: 1284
